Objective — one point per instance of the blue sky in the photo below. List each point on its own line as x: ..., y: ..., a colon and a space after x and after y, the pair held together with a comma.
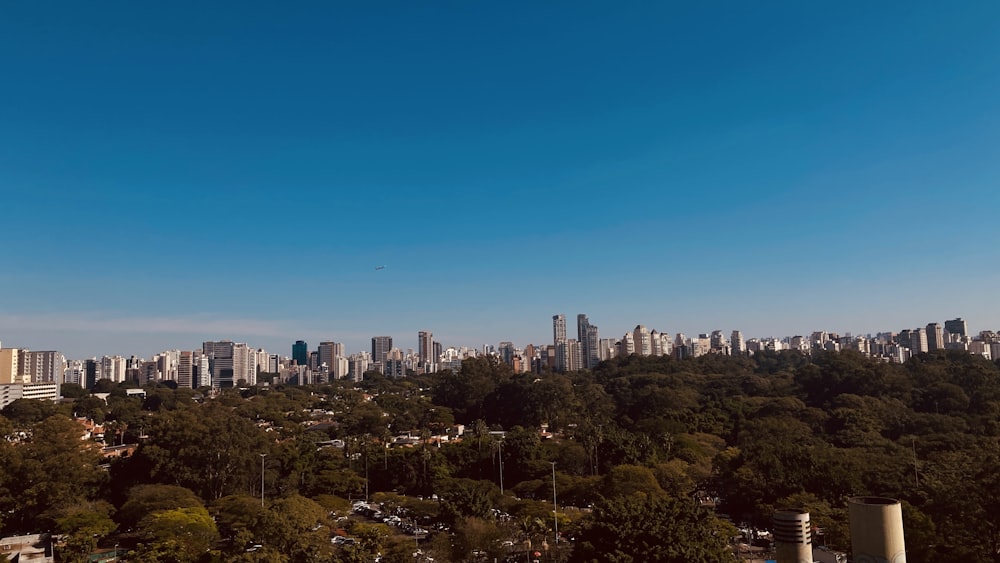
x: 174, y: 173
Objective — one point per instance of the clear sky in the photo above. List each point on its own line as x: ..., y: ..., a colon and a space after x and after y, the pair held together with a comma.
x: 183, y: 171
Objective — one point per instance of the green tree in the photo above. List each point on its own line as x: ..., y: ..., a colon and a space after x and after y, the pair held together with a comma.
x: 188, y: 533
x: 51, y: 469
x: 654, y: 529
x: 209, y: 450
x: 144, y: 500
x: 82, y: 527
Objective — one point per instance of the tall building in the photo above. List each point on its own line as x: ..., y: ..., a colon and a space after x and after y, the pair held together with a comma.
x: 10, y: 366
x: 114, y: 368
x: 574, y: 354
x: 300, y: 352
x: 92, y: 371
x: 558, y: 328
x: 918, y: 340
x: 425, y: 349
x: 328, y: 352
x: 957, y: 328
x: 357, y: 365
x: 736, y: 345
x: 506, y: 350
x: 42, y: 367
x: 220, y: 358
x: 202, y: 371
x: 559, y: 343
x: 935, y: 336
x: 185, y: 370
x: 380, y: 348
x: 394, y: 365
x: 75, y: 373
x: 642, y: 341
x: 589, y: 339
x: 627, y: 345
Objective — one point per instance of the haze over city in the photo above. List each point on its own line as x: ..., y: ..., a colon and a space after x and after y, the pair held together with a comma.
x: 169, y: 177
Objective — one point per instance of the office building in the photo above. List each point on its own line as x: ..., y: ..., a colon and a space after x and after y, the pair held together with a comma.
x: 185, y: 370
x: 957, y: 328
x: 328, y: 352
x: 381, y: 345
x: 587, y: 336
x: 38, y: 391
x: 300, y: 353
x: 935, y: 336
x: 425, y: 350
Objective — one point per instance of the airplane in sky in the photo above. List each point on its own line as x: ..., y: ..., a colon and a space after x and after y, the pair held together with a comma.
x: 379, y: 267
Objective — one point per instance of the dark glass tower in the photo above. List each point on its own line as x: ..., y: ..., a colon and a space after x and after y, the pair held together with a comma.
x: 300, y: 352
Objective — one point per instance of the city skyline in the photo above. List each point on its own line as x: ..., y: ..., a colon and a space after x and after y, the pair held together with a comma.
x: 335, y: 172
x: 286, y: 347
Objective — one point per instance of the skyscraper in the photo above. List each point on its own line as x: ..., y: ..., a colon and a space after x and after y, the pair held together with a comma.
x: 586, y: 335
x: 935, y: 336
x: 300, y: 352
x: 918, y: 340
x: 425, y: 348
x: 957, y: 327
x: 380, y: 347
x: 185, y: 370
x: 328, y: 352
x: 559, y: 342
x: 558, y: 329
x: 642, y: 342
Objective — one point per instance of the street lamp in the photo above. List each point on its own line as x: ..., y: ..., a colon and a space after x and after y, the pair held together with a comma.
x: 262, y: 456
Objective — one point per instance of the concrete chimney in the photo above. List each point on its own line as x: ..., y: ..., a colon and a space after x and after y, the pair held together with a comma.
x: 876, y: 530
x: 792, y: 536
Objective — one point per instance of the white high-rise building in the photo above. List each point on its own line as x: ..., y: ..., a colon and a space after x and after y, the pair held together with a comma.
x: 627, y: 345
x: 203, y: 367
x: 918, y: 340
x: 113, y: 368
x: 642, y: 341
x: 656, y: 341
x: 736, y: 345
x: 358, y: 364
x: 75, y: 372
x: 341, y: 367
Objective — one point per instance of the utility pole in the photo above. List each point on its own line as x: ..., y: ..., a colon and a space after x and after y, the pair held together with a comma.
x: 555, y: 506
x: 500, y: 456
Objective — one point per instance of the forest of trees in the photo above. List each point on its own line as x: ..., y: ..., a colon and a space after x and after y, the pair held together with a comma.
x: 638, y: 444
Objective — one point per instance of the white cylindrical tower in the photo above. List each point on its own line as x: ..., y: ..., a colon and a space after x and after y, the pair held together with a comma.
x: 792, y: 536
x: 876, y: 530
